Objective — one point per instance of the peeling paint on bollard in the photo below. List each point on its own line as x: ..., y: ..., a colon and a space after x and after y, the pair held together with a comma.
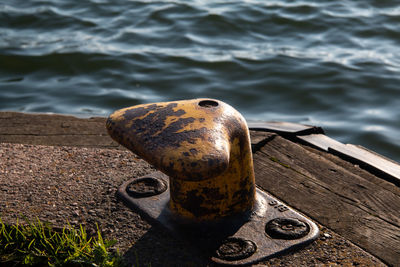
x: 203, y: 145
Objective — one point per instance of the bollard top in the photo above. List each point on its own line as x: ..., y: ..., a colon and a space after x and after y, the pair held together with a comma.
x: 188, y: 139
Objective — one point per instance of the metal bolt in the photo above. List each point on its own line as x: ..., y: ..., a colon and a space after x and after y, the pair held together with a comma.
x: 287, y: 228
x: 235, y: 248
x: 146, y: 187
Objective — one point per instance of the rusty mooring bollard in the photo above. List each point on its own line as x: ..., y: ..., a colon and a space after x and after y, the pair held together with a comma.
x: 203, y: 145
x: 202, y: 148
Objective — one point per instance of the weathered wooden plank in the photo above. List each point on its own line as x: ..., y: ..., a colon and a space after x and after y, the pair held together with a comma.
x: 65, y: 140
x: 320, y: 141
x: 46, y: 129
x: 336, y: 197
x: 284, y: 127
x: 259, y: 139
x: 371, y: 161
x: 45, y: 124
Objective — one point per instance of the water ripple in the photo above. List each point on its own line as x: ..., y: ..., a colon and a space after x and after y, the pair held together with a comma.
x: 330, y: 63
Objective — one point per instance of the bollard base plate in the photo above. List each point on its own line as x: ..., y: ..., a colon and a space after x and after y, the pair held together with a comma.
x: 272, y: 228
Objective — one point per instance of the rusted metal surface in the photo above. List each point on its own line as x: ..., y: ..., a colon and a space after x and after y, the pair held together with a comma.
x: 230, y: 241
x: 203, y: 145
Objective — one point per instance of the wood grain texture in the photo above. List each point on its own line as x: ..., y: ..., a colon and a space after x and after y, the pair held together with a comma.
x: 259, y: 139
x: 369, y: 160
x: 287, y: 128
x: 334, y: 196
x: 45, y: 129
x: 388, y: 169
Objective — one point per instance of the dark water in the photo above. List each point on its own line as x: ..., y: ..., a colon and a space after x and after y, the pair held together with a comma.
x: 334, y: 64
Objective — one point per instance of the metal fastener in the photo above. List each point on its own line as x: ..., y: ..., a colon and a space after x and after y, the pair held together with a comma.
x: 287, y: 228
x: 236, y: 248
x: 146, y: 187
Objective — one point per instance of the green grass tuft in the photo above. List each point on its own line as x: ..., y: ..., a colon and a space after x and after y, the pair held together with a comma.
x: 38, y: 244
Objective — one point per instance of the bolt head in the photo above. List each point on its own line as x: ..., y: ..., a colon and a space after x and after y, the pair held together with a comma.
x: 146, y: 187
x: 235, y: 248
x: 287, y: 228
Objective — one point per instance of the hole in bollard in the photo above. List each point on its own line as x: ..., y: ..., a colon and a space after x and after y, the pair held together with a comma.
x: 287, y: 228
x: 146, y: 187
x: 208, y: 103
x: 235, y: 248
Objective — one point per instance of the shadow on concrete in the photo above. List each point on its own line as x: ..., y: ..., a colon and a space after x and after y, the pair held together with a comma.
x: 159, y: 248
